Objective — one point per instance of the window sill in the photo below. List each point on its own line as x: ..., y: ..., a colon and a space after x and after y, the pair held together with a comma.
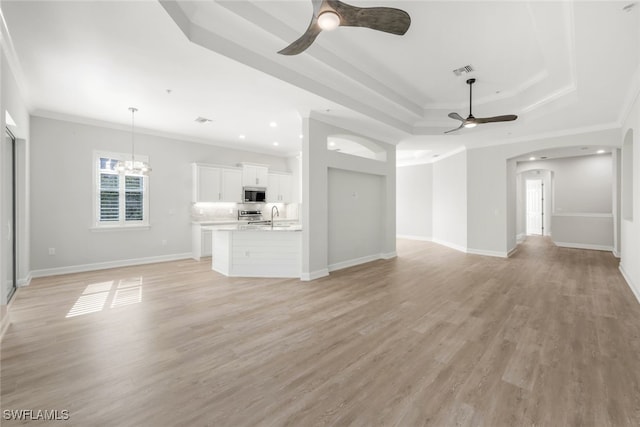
x: 101, y: 228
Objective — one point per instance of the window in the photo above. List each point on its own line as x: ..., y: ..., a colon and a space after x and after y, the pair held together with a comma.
x: 122, y: 200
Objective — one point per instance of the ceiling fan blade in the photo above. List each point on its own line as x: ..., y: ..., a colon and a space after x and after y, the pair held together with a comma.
x: 507, y: 118
x: 305, y: 40
x: 456, y: 116
x: 387, y: 19
x: 458, y: 128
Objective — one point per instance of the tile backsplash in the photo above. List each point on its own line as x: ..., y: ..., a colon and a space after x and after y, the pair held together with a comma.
x: 229, y: 211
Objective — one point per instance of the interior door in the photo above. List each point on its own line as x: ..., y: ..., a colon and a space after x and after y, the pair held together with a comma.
x: 9, y: 214
x: 534, y: 207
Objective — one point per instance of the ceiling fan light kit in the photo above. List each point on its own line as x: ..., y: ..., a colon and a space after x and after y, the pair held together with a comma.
x: 472, y: 121
x: 328, y: 20
x: 330, y: 14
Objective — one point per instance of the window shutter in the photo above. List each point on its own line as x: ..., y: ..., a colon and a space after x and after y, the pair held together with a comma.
x: 121, y: 199
x: 134, y: 200
x: 109, y: 197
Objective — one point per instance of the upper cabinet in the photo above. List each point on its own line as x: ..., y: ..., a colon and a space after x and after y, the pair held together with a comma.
x: 279, y: 189
x: 255, y: 175
x: 216, y: 184
x: 231, y: 186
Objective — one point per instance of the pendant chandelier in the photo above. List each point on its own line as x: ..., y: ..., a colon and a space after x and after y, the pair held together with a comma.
x: 133, y: 166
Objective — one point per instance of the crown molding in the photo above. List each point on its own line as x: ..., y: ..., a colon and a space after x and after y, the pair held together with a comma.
x: 151, y: 132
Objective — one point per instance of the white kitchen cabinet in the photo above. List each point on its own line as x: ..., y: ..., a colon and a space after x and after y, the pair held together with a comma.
x: 231, y: 187
x: 279, y: 189
x: 254, y: 175
x: 201, y: 241
x: 205, y: 244
x: 215, y: 184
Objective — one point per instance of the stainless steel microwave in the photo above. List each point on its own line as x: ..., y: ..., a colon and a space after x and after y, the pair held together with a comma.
x: 254, y: 194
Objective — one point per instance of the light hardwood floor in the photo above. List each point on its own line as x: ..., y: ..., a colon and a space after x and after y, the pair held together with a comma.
x: 549, y: 337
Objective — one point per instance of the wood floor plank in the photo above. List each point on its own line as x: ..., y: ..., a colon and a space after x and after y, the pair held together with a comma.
x: 435, y: 337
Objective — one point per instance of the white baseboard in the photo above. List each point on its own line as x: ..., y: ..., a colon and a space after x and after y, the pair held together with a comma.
x: 616, y: 253
x: 584, y: 246
x: 633, y: 287
x: 512, y: 251
x: 109, y: 264
x: 25, y: 281
x: 4, y: 324
x: 6, y: 321
x: 313, y: 275
x: 389, y: 255
x: 353, y: 262
x: 483, y: 252
x: 496, y: 254
x: 412, y: 237
x: 449, y: 245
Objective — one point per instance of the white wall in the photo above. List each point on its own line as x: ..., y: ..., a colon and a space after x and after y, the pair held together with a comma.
x: 582, y: 200
x: 583, y: 184
x: 488, y: 227
x: 62, y: 192
x: 316, y: 227
x: 11, y: 100
x: 630, y: 228
x: 450, y: 201
x: 414, y: 201
x: 356, y: 217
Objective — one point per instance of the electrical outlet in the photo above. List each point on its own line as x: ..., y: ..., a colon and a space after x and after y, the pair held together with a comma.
x: 52, y: 251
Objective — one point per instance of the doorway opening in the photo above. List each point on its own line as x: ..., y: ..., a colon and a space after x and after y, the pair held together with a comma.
x: 535, y: 207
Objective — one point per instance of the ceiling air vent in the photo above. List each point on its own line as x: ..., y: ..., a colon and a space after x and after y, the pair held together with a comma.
x: 463, y: 70
x: 203, y: 120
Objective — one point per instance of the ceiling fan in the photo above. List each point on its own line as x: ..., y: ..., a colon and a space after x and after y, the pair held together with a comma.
x: 330, y: 14
x: 471, y: 121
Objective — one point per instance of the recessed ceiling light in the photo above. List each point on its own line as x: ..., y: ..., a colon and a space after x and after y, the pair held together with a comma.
x: 241, y: 136
x: 276, y: 143
x: 332, y: 144
x: 273, y: 124
x: 532, y: 158
x: 600, y: 151
x: 301, y: 136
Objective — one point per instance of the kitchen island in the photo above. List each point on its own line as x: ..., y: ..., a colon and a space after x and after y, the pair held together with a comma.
x: 257, y: 251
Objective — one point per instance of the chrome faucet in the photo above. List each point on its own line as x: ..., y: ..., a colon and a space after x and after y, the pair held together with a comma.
x: 277, y: 213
